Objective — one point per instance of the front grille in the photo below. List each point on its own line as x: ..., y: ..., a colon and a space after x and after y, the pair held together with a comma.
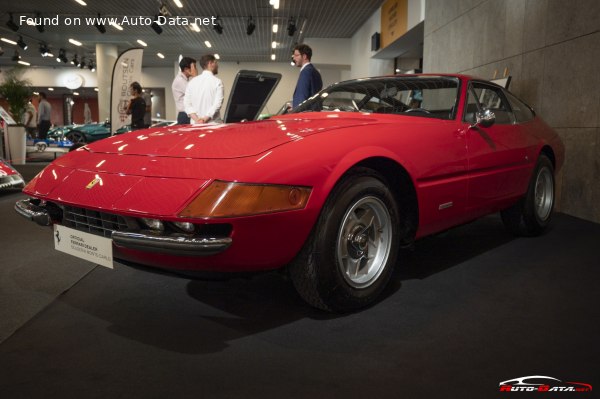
x: 94, y: 222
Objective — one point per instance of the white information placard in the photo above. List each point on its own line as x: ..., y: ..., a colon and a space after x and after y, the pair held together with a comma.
x: 90, y: 247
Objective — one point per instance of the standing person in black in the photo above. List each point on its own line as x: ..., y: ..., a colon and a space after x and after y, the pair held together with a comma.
x: 137, y: 107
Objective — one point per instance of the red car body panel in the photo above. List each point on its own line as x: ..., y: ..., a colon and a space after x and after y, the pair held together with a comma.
x: 156, y: 173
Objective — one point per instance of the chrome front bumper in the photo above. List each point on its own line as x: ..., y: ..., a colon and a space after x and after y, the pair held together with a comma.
x: 182, y: 246
x: 33, y: 212
x: 145, y: 241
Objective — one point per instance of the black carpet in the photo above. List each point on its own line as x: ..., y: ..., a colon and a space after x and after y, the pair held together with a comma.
x: 465, y: 311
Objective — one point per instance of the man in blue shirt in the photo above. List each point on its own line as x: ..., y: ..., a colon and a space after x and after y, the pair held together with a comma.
x: 309, y: 81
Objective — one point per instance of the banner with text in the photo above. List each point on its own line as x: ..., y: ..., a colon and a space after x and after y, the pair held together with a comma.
x: 127, y: 69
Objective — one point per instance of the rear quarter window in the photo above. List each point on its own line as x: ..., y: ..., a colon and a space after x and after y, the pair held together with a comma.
x: 522, y: 111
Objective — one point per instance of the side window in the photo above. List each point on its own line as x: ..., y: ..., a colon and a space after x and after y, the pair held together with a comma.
x: 488, y: 97
x: 521, y: 110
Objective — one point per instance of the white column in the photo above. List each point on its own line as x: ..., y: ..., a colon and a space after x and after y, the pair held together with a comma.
x: 106, y: 56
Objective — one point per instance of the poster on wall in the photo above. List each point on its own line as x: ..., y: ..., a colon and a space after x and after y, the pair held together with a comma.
x: 394, y: 21
x: 127, y: 69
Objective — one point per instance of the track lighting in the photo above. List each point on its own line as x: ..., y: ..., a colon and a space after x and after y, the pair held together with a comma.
x: 101, y: 28
x: 156, y: 26
x: 21, y: 43
x: 44, y: 50
x: 250, y: 26
x: 75, y: 61
x: 92, y: 66
x: 11, y: 24
x: 16, y: 56
x: 218, y: 27
x: 81, y: 63
x: 62, y: 55
x: 291, y: 28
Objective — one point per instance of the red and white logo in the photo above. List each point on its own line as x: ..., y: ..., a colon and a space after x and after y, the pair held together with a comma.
x: 542, y: 383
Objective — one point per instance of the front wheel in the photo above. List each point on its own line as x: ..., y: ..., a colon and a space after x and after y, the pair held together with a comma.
x: 349, y: 257
x: 532, y: 214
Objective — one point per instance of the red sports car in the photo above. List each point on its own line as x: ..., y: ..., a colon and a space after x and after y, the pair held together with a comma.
x: 329, y: 192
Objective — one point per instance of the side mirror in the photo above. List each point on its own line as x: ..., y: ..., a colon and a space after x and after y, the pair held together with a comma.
x: 485, y: 118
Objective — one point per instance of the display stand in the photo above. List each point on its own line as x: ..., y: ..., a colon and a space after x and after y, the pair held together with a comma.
x: 15, y: 139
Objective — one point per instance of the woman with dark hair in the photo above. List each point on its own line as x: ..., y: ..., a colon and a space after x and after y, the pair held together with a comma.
x: 137, y: 107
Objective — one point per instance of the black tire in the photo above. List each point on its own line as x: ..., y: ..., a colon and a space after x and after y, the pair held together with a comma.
x: 533, y: 213
x: 76, y: 137
x: 330, y: 271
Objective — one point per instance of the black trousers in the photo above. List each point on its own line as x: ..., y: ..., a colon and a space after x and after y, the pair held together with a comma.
x: 183, y: 118
x: 43, y: 129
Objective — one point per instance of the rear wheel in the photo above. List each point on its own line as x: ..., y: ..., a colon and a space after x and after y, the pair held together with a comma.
x: 76, y: 137
x: 532, y: 214
x: 349, y: 257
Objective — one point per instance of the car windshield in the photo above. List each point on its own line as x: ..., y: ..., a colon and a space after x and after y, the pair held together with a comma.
x: 428, y: 96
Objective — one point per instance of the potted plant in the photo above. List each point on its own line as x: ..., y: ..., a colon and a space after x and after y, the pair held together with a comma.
x: 17, y: 92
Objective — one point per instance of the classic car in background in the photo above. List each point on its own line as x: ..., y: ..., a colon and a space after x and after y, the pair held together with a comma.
x: 9, y: 176
x: 330, y: 192
x: 88, y: 133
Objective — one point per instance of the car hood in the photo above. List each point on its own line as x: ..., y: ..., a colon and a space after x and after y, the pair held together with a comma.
x: 225, y: 141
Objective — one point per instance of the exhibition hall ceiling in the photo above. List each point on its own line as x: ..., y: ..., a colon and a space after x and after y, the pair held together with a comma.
x: 311, y: 18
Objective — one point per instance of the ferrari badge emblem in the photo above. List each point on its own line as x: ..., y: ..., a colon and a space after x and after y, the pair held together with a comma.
x: 96, y: 180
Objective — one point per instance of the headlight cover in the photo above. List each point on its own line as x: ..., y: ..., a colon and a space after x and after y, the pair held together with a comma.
x: 223, y: 199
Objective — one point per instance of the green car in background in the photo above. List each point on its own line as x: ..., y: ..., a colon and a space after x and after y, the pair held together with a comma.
x: 83, y: 134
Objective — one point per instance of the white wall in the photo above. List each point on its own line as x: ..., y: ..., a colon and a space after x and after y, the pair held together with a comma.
x: 362, y: 65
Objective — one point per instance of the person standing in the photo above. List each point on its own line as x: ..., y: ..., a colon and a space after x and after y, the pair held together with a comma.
x: 44, y: 115
x: 309, y: 81
x: 137, y: 107
x: 148, y: 114
x: 30, y: 120
x: 204, y: 94
x: 188, y: 69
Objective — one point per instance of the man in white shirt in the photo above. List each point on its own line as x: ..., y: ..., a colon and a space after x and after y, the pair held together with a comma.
x: 188, y: 69
x: 204, y: 94
x: 30, y: 120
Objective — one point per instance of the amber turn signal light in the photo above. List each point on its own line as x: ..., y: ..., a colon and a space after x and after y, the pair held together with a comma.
x: 228, y: 199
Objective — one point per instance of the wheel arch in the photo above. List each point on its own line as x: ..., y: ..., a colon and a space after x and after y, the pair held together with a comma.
x: 400, y: 182
x: 549, y: 152
x: 402, y: 186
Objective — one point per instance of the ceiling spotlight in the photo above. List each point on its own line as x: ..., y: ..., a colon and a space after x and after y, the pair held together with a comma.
x: 39, y: 25
x: 11, y: 24
x: 101, y: 28
x: 155, y: 26
x: 16, y: 56
x: 81, y: 63
x: 21, y: 43
x: 218, y: 27
x: 250, y: 26
x: 291, y: 28
x: 44, y: 50
x: 62, y: 56
x: 75, y: 61
x: 92, y: 66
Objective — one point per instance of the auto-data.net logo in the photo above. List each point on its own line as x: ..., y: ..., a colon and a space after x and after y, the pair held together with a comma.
x: 542, y: 383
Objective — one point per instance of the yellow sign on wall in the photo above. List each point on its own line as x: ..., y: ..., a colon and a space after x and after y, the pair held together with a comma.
x: 394, y: 20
